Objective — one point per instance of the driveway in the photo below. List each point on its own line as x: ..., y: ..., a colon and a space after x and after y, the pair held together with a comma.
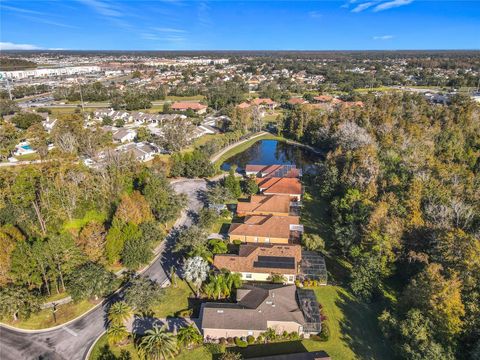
x: 72, y: 341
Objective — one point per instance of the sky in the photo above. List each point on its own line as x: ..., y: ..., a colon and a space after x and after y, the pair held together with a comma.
x: 239, y: 25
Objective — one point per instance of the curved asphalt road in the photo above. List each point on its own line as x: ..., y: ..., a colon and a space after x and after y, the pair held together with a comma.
x: 71, y: 342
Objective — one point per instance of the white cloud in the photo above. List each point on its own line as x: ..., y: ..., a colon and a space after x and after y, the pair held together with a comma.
x: 391, y: 4
x: 383, y: 37
x: 13, y: 46
x: 103, y: 8
x: 169, y: 30
x: 20, y: 10
x: 315, y: 14
x: 363, y: 6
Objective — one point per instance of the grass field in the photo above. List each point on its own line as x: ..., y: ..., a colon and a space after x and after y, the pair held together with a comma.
x: 174, y: 300
x: 102, y: 348
x: 44, y: 318
x: 185, y: 98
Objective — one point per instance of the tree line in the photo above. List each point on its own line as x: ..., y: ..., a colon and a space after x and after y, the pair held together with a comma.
x: 402, y: 180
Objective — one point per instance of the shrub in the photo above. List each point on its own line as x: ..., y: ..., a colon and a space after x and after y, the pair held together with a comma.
x: 260, y: 339
x: 237, y: 242
x: 250, y: 339
x: 215, y: 348
x: 230, y: 340
x: 325, y: 333
x: 222, y: 341
x: 293, y: 336
x: 184, y: 313
x: 240, y: 343
x: 284, y: 334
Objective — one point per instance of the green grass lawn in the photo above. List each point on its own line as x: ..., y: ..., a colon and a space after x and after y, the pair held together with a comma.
x: 174, y: 300
x: 185, y: 98
x: 354, y: 332
x: 102, y: 348
x: 44, y: 318
x: 77, y: 224
x: 28, y: 157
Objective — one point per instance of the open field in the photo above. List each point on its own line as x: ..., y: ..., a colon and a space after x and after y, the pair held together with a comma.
x: 174, y: 300
x: 44, y: 318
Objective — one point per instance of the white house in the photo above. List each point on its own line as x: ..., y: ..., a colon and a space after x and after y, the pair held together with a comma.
x: 124, y: 135
x: 23, y: 148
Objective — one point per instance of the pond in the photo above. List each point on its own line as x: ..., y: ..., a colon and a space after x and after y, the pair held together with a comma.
x: 269, y: 152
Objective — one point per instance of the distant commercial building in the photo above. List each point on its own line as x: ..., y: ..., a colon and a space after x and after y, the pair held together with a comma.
x: 39, y: 73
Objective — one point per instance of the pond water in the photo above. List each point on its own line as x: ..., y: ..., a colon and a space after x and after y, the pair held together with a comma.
x: 269, y: 152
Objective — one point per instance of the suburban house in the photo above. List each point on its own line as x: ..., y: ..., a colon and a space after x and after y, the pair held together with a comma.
x: 273, y: 171
x: 23, y: 148
x: 195, y: 106
x: 259, y: 263
x: 124, y: 135
x: 201, y: 130
x: 297, y: 101
x: 280, y: 186
x: 267, y: 229
x: 265, y: 102
x: 142, y: 151
x: 260, y: 307
x: 279, y: 205
x: 49, y: 123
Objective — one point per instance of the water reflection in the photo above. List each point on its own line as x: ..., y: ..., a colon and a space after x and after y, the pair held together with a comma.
x: 268, y: 152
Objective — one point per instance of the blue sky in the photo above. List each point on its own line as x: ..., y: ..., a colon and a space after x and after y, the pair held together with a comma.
x: 239, y: 25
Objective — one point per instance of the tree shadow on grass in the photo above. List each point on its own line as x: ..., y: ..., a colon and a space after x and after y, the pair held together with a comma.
x: 359, y: 329
x: 272, y: 349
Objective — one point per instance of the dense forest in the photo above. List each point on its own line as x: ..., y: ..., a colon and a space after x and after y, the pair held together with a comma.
x: 62, y: 218
x: 402, y: 180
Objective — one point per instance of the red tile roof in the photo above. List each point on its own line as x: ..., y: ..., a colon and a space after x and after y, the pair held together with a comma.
x: 248, y: 255
x: 263, y: 101
x: 275, y: 185
x: 188, y: 105
x: 265, y: 226
x: 265, y: 204
x: 273, y: 170
x: 323, y: 98
x: 296, y: 101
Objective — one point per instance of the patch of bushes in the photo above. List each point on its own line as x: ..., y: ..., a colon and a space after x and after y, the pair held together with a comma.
x: 325, y: 333
x: 240, y: 342
x: 250, y: 339
x: 214, y: 348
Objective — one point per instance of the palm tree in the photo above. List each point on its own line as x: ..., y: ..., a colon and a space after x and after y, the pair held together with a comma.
x: 119, y: 312
x: 233, y: 281
x: 158, y: 344
x: 189, y: 335
x: 116, y: 333
x: 216, y: 286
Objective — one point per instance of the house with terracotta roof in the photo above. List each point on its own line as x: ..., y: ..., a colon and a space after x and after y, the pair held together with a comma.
x: 265, y: 102
x: 272, y: 171
x: 279, y: 205
x: 323, y: 98
x: 259, y: 263
x: 280, y: 186
x: 243, y: 105
x: 267, y: 229
x: 260, y: 307
x: 195, y: 106
x: 297, y: 101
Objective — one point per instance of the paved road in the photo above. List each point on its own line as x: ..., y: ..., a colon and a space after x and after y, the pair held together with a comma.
x: 72, y: 341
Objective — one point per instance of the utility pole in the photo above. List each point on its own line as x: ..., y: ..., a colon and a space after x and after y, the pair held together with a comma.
x: 81, y: 95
